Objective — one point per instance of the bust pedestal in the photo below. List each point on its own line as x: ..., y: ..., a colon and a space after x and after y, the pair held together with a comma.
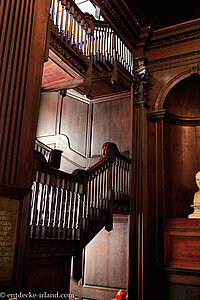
x: 196, y: 206
x: 196, y: 213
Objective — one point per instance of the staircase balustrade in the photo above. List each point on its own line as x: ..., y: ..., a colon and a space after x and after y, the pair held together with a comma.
x: 93, y: 39
x: 63, y: 205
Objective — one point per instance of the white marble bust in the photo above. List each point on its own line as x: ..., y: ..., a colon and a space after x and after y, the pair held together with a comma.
x: 196, y: 200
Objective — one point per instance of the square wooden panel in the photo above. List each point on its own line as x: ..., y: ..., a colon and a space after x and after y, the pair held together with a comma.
x: 182, y: 244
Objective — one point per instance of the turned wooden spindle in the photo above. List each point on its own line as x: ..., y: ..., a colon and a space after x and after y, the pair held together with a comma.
x: 88, y: 51
x: 67, y: 8
x: 99, y: 43
x: 74, y: 27
x: 85, y: 38
x: 92, y: 41
x: 102, y: 44
x: 52, y: 9
x: 107, y: 43
x: 57, y: 14
x: 120, y: 50
x: 62, y: 18
x: 111, y: 45
x: 123, y: 54
x: 95, y: 43
x: 82, y: 33
x: 78, y: 31
x: 71, y: 23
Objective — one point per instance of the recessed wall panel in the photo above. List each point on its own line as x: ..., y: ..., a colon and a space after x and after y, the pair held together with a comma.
x: 48, y: 114
x: 74, y: 123
x: 111, y: 123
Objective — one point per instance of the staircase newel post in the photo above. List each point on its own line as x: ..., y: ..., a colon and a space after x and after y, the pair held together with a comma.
x: 111, y: 195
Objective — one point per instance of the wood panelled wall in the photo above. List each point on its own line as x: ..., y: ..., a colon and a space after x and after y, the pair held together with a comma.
x: 79, y: 126
x: 23, y: 27
x: 111, y: 122
x: 105, y: 267
x: 182, y: 162
x: 181, y: 146
x: 109, y: 250
x: 172, y: 270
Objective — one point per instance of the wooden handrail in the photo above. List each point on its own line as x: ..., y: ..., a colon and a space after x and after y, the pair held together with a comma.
x: 94, y: 39
x: 42, y: 148
x: 62, y: 204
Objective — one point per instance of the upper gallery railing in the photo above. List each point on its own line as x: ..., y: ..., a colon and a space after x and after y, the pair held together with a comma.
x: 93, y: 39
x: 63, y: 205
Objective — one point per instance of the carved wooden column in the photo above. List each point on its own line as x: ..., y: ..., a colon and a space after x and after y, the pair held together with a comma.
x: 23, y: 40
x: 139, y: 182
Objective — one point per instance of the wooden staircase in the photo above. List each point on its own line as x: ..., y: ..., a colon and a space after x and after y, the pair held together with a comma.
x: 68, y: 210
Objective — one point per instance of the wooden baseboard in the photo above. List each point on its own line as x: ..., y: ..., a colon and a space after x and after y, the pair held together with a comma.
x: 92, y: 292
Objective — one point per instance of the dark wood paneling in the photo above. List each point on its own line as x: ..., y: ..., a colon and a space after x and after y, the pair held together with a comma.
x: 181, y: 152
x: 48, y: 275
x: 111, y: 122
x: 79, y: 127
x: 183, y: 98
x: 182, y: 244
x: 48, y: 114
x: 182, y: 162
x: 109, y: 251
x: 173, y: 163
x: 74, y: 123
x: 182, y: 292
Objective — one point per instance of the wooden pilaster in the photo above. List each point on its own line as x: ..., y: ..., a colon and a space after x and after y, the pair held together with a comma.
x: 139, y: 185
x: 23, y: 39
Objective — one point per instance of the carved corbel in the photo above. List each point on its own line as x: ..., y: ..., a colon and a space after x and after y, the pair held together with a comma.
x: 142, y: 83
x: 195, y: 70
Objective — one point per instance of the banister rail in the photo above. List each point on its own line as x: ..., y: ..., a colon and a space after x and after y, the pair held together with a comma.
x: 63, y: 205
x: 93, y: 39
